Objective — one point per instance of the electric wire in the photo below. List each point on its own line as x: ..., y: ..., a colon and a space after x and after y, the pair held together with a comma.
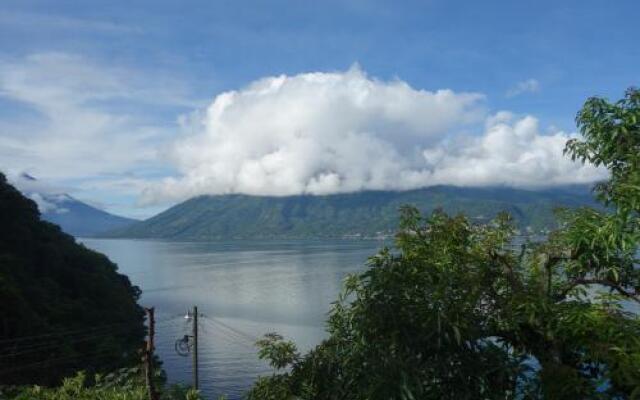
x: 106, y: 330
x: 73, y: 340
x: 50, y: 340
x: 246, y: 335
x: 39, y: 343
x: 96, y: 331
x: 66, y: 332
x: 225, y: 332
x: 233, y: 335
x: 54, y: 361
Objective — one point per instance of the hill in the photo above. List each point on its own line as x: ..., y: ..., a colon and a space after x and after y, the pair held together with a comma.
x: 63, y: 307
x: 80, y: 219
x: 362, y: 214
x: 72, y: 215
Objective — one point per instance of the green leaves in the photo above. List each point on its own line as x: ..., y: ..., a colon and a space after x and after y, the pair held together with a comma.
x: 612, y: 138
x: 122, y: 385
x: 454, y: 311
x: 415, y: 325
x: 277, y: 351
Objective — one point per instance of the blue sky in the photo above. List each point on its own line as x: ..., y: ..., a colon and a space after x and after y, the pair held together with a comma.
x: 137, y: 68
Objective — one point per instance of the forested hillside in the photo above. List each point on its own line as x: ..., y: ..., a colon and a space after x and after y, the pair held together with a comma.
x: 362, y: 214
x: 63, y: 307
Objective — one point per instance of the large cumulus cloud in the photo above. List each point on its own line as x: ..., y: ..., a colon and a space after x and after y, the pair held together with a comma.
x: 321, y: 133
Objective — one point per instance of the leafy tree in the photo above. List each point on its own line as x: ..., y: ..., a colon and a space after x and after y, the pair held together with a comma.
x: 457, y: 310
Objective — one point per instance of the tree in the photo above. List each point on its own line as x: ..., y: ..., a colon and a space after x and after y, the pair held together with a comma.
x: 457, y: 311
x: 63, y: 307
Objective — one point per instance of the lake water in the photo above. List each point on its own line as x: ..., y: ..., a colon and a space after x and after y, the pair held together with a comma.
x: 243, y: 289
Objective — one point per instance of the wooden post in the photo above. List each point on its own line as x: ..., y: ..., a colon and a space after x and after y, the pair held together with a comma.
x: 195, y: 347
x: 148, y: 355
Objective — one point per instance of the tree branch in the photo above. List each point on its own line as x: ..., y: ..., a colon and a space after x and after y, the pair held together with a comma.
x: 509, y: 272
x: 594, y: 281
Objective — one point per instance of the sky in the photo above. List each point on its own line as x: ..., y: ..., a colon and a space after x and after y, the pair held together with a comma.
x: 133, y: 106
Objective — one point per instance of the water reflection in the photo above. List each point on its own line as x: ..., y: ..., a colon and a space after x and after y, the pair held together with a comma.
x: 244, y: 289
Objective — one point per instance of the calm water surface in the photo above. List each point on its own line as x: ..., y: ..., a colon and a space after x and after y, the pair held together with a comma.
x: 243, y: 289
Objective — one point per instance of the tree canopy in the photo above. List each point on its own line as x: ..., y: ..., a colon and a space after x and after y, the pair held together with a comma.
x: 459, y: 310
x: 63, y: 307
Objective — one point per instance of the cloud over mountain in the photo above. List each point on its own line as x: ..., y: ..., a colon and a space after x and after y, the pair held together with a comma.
x: 321, y: 133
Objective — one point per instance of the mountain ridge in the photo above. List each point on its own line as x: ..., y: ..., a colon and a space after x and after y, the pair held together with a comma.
x: 363, y: 214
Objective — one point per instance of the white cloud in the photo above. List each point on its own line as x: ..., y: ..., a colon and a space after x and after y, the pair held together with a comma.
x: 28, y: 184
x: 526, y: 86
x: 46, y: 204
x: 49, y: 198
x: 80, y: 122
x: 321, y: 133
x: 512, y: 152
x: 75, y: 124
x: 314, y: 133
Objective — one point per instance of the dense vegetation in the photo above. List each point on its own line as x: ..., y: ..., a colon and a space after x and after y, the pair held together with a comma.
x: 364, y: 213
x: 455, y: 312
x: 122, y: 384
x: 63, y: 307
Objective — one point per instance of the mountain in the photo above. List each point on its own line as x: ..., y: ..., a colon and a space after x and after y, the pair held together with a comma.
x: 361, y: 214
x: 80, y: 219
x: 63, y: 307
x: 73, y: 216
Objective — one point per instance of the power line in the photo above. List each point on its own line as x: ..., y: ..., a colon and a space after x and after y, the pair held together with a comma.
x: 241, y: 337
x: 234, y: 337
x: 48, y: 362
x: 246, y: 335
x: 106, y: 331
x: 67, y: 332
x: 51, y: 345
x: 231, y: 339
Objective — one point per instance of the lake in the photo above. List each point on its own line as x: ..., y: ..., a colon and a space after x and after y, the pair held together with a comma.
x: 243, y: 289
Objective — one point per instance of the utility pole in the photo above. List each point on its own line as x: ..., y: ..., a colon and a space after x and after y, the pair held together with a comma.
x: 195, y: 347
x: 148, y: 355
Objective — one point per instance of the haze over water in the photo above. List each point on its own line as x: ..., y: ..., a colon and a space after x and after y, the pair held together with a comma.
x: 243, y: 289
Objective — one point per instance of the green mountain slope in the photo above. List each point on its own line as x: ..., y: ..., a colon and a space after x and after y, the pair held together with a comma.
x: 364, y: 214
x: 63, y: 307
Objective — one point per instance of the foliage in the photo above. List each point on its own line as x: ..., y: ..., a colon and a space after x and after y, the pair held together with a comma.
x: 457, y: 310
x: 63, y: 307
x: 279, y: 352
x: 125, y: 384
x: 334, y: 216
